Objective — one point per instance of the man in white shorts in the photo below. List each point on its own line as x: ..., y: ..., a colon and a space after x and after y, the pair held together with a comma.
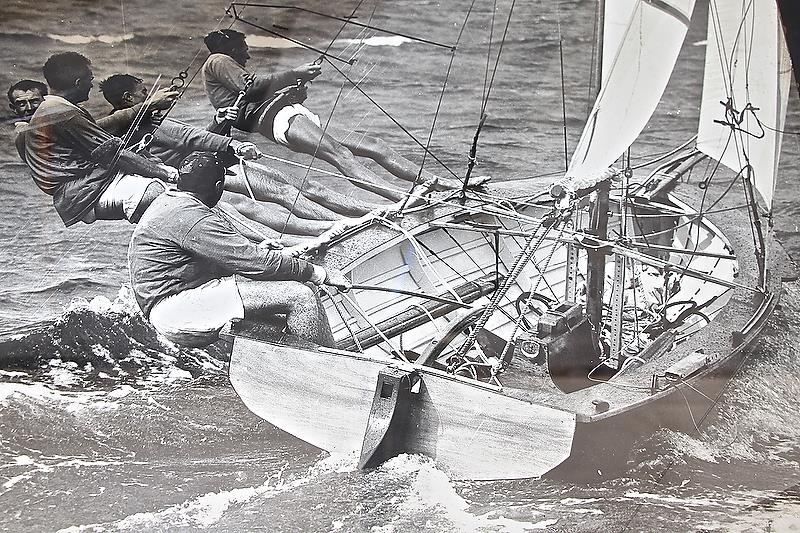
x: 192, y: 271
x: 272, y: 106
x: 86, y: 170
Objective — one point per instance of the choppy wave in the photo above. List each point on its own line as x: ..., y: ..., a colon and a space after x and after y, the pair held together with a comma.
x: 95, y: 341
x: 86, y: 39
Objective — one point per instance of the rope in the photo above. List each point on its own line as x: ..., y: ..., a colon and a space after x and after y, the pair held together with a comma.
x: 394, y: 351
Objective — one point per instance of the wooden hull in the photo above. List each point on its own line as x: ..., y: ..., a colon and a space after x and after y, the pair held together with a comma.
x: 529, y: 426
x: 471, y: 431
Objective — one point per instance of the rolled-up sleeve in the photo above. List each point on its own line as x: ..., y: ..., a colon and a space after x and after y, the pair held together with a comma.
x: 214, y: 240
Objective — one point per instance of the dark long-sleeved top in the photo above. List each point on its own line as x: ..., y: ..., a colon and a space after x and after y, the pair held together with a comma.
x: 59, y: 143
x: 73, y: 159
x: 173, y: 140
x: 180, y: 244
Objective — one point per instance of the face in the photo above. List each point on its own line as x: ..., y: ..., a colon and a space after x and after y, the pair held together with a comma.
x: 135, y: 96
x: 24, y: 103
x: 240, y: 53
x: 83, y: 85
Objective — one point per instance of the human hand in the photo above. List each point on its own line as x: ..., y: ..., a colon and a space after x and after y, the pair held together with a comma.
x: 246, y: 150
x: 164, y: 98
x: 270, y: 244
x: 308, y: 71
x: 335, y: 278
x: 228, y: 114
x: 171, y: 173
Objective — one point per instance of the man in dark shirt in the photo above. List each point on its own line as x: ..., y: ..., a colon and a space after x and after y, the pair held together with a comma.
x: 88, y: 172
x: 192, y: 271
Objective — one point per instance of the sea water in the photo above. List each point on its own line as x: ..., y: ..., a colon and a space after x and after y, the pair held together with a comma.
x: 106, y: 427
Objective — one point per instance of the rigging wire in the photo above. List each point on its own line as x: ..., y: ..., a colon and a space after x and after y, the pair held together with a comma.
x: 324, y: 130
x: 563, y: 86
x: 346, y: 21
x: 439, y: 106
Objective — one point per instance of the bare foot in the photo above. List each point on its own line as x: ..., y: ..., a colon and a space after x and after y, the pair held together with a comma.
x: 419, y: 194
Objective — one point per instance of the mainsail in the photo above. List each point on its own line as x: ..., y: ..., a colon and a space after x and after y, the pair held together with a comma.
x: 745, y: 89
x: 642, y: 59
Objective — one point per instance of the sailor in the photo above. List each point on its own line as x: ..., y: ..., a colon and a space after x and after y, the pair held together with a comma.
x: 192, y: 272
x: 25, y: 96
x: 280, y: 116
x: 85, y: 169
x: 173, y: 140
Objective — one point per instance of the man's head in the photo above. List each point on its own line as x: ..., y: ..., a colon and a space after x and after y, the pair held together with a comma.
x: 123, y: 90
x: 203, y: 174
x: 69, y: 74
x: 228, y: 42
x: 25, y: 96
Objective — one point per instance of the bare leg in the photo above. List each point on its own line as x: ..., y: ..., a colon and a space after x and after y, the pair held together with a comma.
x: 266, y: 189
x: 378, y: 150
x: 304, y: 136
x: 253, y: 230
x: 334, y: 201
x: 276, y: 217
x: 305, y: 316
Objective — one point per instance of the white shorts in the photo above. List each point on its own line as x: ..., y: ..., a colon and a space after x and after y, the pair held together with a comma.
x: 194, y: 317
x: 123, y: 196
x: 280, y: 125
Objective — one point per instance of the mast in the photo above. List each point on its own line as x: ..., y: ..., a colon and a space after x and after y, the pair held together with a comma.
x: 598, y: 214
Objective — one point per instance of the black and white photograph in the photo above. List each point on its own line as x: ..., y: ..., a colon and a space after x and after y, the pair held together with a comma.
x: 400, y: 266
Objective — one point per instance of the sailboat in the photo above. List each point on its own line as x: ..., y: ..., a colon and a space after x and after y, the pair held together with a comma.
x: 519, y: 326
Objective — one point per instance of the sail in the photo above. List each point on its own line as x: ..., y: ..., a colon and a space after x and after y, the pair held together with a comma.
x: 616, y: 17
x: 633, y: 81
x: 746, y: 85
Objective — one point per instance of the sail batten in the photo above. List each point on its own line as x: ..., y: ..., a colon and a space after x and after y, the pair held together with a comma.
x: 745, y: 90
x: 642, y: 40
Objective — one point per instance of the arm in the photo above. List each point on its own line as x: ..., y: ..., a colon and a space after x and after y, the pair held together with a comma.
x: 173, y: 134
x: 108, y: 151
x: 244, y: 226
x: 118, y: 122
x: 215, y: 240
x: 232, y: 76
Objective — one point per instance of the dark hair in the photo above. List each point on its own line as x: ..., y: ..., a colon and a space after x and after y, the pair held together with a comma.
x: 27, y: 85
x: 114, y: 86
x: 62, y: 69
x: 199, y: 171
x: 223, y: 40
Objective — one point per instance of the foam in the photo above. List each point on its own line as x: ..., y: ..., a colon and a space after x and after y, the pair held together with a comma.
x: 206, y: 510
x: 691, y: 502
x: 264, y: 41
x: 389, y: 40
x: 86, y: 39
x: 432, y: 488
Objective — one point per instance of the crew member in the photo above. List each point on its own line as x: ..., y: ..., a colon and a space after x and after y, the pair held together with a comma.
x: 87, y: 171
x: 172, y: 140
x: 281, y: 117
x: 192, y: 272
